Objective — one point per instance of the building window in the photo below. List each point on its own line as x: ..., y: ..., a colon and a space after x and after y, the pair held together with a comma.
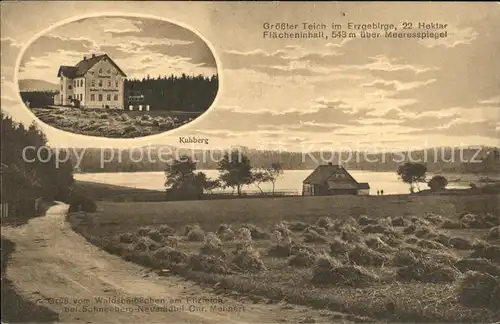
x: 62, y: 99
x: 93, y: 83
x: 81, y: 83
x: 100, y: 97
x: 100, y: 83
x: 116, y: 97
x: 109, y: 83
x: 108, y: 97
x: 116, y: 83
x: 92, y: 97
x: 69, y: 97
x: 100, y: 70
x: 109, y: 71
x: 70, y: 87
x: 61, y: 87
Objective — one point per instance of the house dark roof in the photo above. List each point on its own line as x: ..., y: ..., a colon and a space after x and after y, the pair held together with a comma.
x: 363, y: 185
x: 321, y: 174
x: 84, y: 65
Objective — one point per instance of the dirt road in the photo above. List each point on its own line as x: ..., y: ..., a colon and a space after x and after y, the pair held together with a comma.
x: 57, y: 268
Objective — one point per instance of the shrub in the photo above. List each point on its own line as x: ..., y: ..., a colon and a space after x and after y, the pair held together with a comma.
x: 325, y: 222
x: 398, y: 221
x: 207, y: 263
x: 195, y: 234
x: 249, y: 260
x: 212, y: 246
x: 303, y: 258
x: 227, y: 234
x: 493, y: 233
x: 425, y: 271
x: 459, y: 243
x: 127, y: 238
x: 478, y: 264
x: 78, y: 202
x: 365, y: 220
x: 478, y: 289
x: 170, y: 255
x: 144, y: 243
x: 363, y: 255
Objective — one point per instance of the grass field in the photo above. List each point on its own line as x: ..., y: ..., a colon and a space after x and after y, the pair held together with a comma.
x: 112, y: 123
x: 394, y: 258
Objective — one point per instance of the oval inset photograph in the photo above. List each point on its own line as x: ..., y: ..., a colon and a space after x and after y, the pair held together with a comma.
x: 118, y: 76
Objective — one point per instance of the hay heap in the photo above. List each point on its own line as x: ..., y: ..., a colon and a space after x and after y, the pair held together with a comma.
x: 427, y: 271
x: 303, y: 258
x: 478, y: 264
x: 170, y: 255
x: 325, y: 222
x: 398, y: 222
x: 213, y: 246
x: 195, y: 233
x: 363, y: 255
x: 166, y: 230
x: 365, y: 220
x: 338, y: 247
x: 479, y: 289
x: 144, y: 243
x: 248, y: 260
x: 487, y: 251
x: 493, y: 233
x: 328, y: 271
x: 310, y: 235
x: 459, y: 243
x: 127, y: 238
x: 207, y: 263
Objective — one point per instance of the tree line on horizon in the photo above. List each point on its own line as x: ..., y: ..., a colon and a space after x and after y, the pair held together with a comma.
x: 184, y: 92
x: 91, y: 161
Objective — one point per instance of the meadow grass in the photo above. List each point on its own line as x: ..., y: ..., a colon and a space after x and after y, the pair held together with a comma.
x: 406, y: 280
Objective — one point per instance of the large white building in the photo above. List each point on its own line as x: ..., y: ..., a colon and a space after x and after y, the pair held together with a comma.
x: 94, y: 82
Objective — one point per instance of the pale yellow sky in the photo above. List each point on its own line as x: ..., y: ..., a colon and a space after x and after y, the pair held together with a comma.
x: 307, y: 94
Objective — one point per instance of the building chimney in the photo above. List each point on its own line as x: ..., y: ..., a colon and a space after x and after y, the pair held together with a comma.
x: 93, y: 55
x: 84, y: 58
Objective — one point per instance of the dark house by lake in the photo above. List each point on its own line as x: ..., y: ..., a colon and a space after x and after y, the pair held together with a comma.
x: 331, y: 179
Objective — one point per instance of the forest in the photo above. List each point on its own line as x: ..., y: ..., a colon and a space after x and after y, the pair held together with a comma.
x: 28, y: 174
x: 445, y: 159
x: 172, y: 93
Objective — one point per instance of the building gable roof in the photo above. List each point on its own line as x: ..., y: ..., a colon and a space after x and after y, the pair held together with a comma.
x: 85, y: 65
x: 321, y: 174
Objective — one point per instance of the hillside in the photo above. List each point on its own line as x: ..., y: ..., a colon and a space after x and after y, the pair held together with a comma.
x: 37, y: 85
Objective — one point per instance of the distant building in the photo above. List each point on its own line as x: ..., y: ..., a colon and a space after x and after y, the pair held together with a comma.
x: 94, y: 82
x: 331, y: 179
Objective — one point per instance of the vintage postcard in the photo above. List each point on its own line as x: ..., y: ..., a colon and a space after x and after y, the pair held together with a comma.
x: 250, y: 162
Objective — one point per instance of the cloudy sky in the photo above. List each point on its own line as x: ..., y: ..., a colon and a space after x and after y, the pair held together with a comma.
x: 382, y: 94
x: 139, y: 46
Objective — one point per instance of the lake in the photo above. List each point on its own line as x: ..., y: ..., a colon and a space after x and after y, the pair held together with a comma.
x: 290, y: 181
